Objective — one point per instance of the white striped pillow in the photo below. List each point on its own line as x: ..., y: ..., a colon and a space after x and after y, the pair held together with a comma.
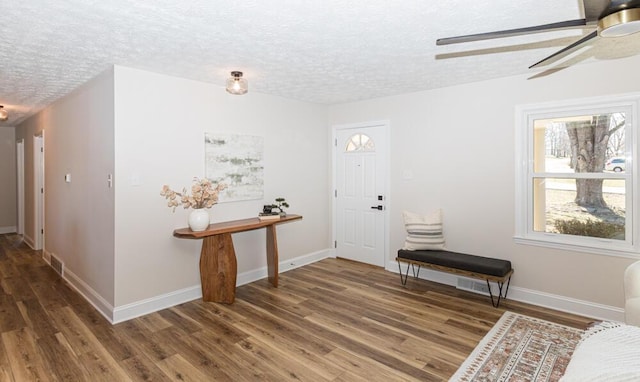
x: 423, y: 232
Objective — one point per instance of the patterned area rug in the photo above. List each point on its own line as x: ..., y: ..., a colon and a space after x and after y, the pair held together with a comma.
x: 520, y: 348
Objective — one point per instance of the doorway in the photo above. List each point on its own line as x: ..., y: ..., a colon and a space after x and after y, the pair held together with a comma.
x: 20, y: 185
x: 361, y: 192
x: 38, y: 160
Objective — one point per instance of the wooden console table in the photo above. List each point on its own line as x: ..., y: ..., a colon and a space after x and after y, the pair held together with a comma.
x: 218, y: 265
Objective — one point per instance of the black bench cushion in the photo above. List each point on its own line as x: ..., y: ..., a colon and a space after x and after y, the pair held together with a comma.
x: 471, y: 263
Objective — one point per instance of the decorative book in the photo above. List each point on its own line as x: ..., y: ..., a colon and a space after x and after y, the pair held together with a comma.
x: 271, y: 216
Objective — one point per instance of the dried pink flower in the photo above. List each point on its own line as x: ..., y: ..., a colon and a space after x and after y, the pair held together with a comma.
x: 204, y: 194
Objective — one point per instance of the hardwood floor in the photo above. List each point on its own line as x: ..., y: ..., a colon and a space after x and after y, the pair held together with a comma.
x: 334, y: 320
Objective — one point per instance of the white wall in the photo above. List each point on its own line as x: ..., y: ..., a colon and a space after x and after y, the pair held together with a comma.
x: 159, y: 138
x: 8, y: 207
x: 78, y: 131
x: 459, y: 144
x: 147, y: 129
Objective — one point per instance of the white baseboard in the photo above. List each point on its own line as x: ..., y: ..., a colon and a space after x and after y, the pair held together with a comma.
x: 547, y: 300
x: 93, y: 297
x: 283, y: 266
x: 89, y: 294
x: 139, y: 308
x: 154, y: 304
x: 9, y: 229
x: 46, y: 256
x: 29, y: 241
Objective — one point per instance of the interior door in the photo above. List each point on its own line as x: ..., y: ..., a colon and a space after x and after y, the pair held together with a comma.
x: 360, y: 179
x: 38, y: 142
x: 20, y: 176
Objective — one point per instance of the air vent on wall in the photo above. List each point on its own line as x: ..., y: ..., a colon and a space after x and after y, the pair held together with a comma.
x: 57, y: 265
x: 472, y: 286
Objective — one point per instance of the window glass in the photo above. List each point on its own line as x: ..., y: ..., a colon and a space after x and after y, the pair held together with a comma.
x: 360, y: 142
x: 556, y: 209
x: 575, y: 175
x: 583, y: 143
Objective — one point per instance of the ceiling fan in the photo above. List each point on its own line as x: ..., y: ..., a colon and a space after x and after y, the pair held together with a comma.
x: 612, y: 18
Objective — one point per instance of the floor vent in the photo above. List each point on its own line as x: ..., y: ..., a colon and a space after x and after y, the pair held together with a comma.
x: 473, y: 286
x: 57, y: 265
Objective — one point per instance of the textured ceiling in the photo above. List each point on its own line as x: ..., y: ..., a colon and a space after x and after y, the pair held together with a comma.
x: 324, y: 51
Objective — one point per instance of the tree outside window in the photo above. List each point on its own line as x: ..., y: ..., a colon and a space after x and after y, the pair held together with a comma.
x: 591, y: 204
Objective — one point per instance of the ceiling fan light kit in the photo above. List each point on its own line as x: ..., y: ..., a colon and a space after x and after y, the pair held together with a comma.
x: 621, y: 23
x: 4, y: 115
x: 614, y: 18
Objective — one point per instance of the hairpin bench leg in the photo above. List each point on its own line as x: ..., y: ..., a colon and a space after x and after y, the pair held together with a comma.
x: 500, y: 295
x: 403, y: 279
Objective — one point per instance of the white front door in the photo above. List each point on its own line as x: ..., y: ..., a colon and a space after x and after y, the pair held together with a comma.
x: 360, y: 195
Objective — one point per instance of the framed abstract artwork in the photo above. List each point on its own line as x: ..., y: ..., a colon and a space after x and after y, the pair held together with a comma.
x: 236, y: 160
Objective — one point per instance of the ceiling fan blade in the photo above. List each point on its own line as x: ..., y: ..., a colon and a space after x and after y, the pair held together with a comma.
x: 567, y: 49
x: 512, y: 32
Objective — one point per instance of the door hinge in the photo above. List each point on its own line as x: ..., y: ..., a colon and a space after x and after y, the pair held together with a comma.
x: 41, y: 149
x: 42, y: 190
x: 42, y: 231
x: 335, y: 244
x: 335, y: 142
x: 335, y: 193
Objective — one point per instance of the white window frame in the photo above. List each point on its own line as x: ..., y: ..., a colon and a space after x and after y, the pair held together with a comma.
x: 524, y: 135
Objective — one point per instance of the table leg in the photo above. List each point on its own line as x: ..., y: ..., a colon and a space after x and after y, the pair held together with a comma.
x: 218, y: 269
x: 272, y: 255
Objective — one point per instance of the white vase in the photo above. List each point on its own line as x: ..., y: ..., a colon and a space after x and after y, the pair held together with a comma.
x: 199, y: 219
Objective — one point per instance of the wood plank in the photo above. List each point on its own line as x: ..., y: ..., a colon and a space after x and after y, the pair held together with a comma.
x: 133, y: 335
x: 214, y: 323
x: 8, y: 268
x: 298, y: 351
x: 36, y: 318
x: 177, y: 368
x: 201, y: 359
x: 285, y: 330
x: 140, y: 368
x: 90, y: 351
x: 6, y: 375
x: 246, y: 367
x: 178, y: 318
x: 10, y: 316
x: 279, y: 361
x: 24, y: 356
x: 154, y: 322
x: 332, y: 320
x: 367, y: 369
x: 60, y: 360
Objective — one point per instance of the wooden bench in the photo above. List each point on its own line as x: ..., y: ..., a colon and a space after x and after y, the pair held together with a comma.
x: 477, y: 267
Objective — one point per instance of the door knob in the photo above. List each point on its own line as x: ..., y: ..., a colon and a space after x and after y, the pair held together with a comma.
x: 378, y: 207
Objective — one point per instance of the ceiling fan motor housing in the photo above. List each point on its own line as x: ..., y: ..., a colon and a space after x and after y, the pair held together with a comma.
x: 616, y: 6
x: 621, y: 18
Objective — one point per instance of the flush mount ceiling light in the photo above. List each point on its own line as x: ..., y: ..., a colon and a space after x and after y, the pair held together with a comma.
x: 4, y: 115
x: 236, y: 84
